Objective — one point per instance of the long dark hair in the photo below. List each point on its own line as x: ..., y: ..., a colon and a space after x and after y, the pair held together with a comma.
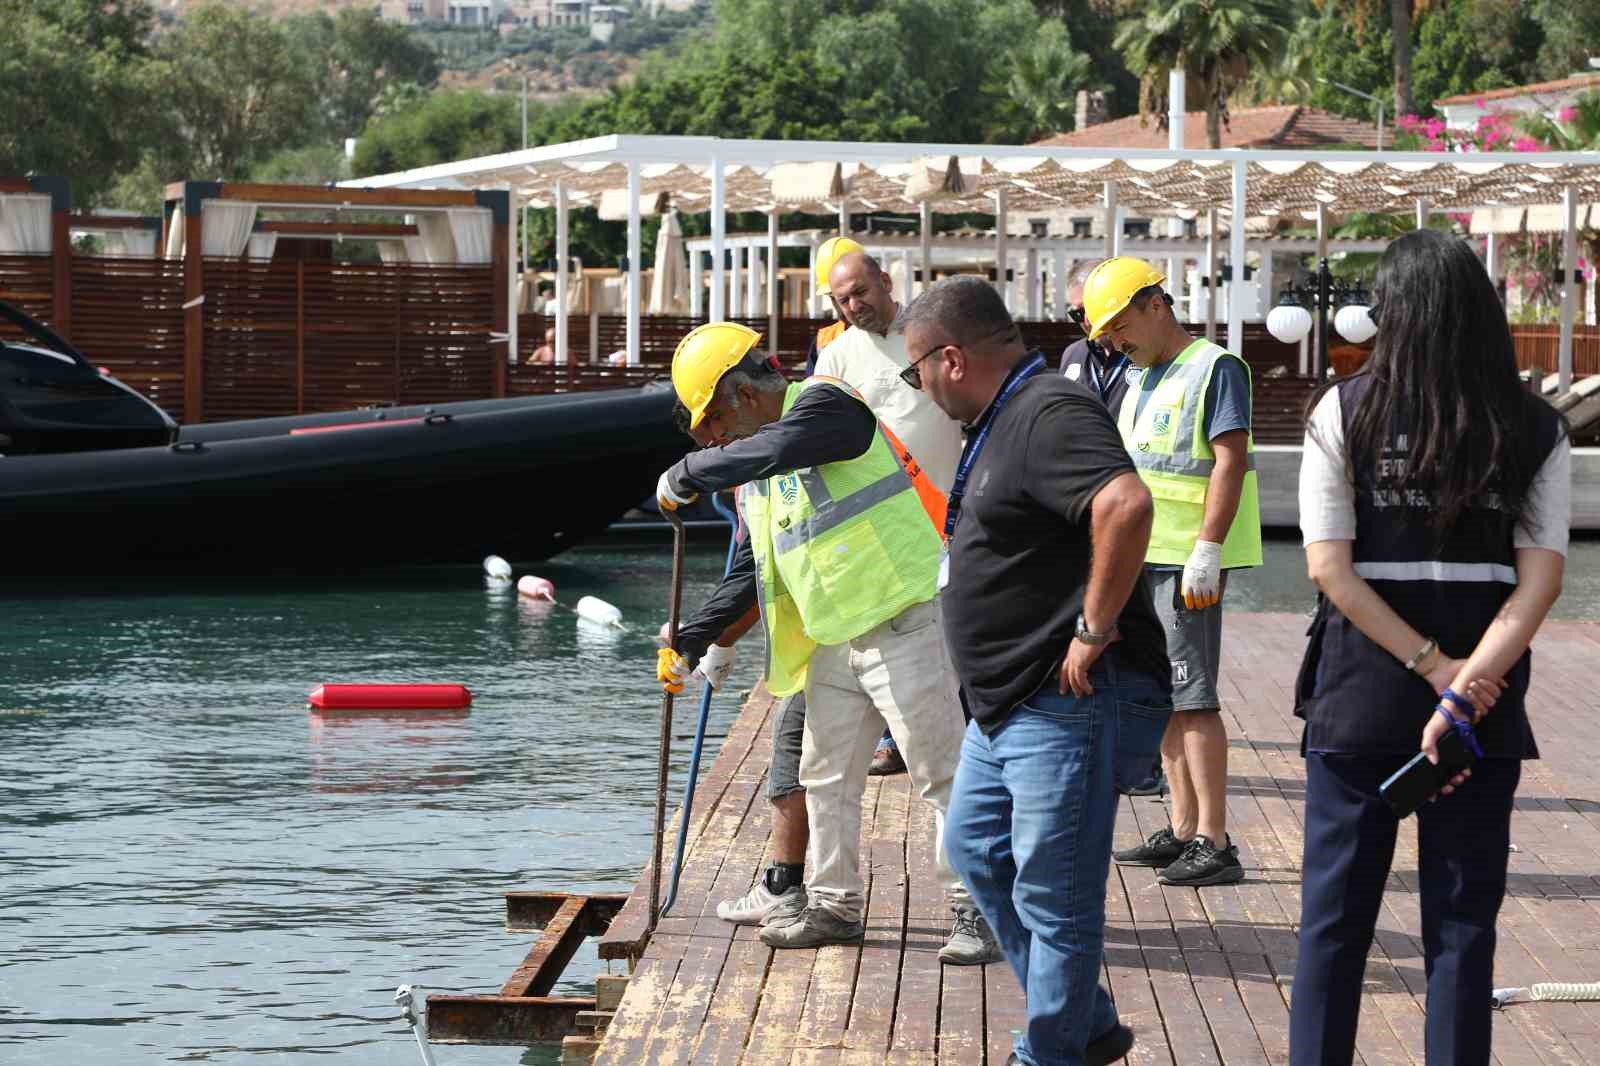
x: 1444, y: 373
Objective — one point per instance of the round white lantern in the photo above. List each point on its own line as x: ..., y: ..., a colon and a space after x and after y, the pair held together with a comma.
x: 1354, y: 323
x: 1289, y: 323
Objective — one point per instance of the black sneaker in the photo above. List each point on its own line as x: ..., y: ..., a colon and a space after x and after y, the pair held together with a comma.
x: 1103, y: 1050
x: 1161, y: 850
x: 1203, y: 863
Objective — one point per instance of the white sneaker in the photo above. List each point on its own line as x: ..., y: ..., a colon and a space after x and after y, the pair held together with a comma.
x: 761, y: 907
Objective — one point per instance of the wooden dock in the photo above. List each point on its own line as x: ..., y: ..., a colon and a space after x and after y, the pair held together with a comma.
x: 1202, y: 976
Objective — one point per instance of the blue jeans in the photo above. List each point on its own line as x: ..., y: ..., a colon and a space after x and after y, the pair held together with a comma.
x: 1029, y: 831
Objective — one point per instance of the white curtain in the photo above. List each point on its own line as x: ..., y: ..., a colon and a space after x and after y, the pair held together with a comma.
x: 24, y: 225
x: 434, y: 240
x: 139, y: 242
x: 473, y: 230
x: 392, y: 251
x: 227, y: 226
x: 669, y: 283
x: 175, y: 235
x: 262, y: 245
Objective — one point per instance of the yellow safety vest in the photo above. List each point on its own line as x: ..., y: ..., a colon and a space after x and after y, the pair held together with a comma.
x: 1168, y: 445
x: 839, y: 548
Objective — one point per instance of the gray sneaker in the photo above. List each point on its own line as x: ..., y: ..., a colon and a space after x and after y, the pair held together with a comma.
x: 760, y: 907
x: 971, y: 942
x: 814, y: 927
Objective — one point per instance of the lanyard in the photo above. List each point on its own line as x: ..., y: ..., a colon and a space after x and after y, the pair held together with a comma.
x: 975, y: 442
x: 1104, y: 384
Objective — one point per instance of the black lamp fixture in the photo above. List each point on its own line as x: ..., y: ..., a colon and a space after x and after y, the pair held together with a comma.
x: 1290, y: 320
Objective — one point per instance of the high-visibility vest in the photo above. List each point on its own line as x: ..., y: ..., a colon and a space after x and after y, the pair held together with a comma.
x: 1167, y: 442
x: 830, y: 333
x: 840, y: 548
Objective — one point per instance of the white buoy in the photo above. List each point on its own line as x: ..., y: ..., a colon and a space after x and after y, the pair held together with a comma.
x: 497, y: 568
x: 536, y: 588
x: 599, y: 612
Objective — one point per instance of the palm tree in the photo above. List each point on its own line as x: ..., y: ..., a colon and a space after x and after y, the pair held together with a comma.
x: 1287, y: 78
x: 1402, y: 13
x: 1045, y: 73
x: 1215, y: 43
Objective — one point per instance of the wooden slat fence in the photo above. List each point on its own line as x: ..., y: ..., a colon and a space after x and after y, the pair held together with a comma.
x: 127, y: 316
x: 1539, y: 345
x: 27, y: 282
x: 282, y: 337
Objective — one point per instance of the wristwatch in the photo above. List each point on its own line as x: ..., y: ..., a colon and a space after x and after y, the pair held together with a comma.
x: 1085, y: 637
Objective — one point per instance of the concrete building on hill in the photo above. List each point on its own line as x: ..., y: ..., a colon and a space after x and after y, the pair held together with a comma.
x: 483, y: 13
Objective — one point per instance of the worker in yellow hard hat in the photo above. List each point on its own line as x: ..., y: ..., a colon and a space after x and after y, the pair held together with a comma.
x: 1186, y: 424
x: 829, y: 253
x: 842, y: 553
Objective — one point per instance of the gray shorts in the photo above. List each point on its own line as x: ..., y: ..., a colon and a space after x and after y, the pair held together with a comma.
x: 783, y: 773
x: 1194, y: 641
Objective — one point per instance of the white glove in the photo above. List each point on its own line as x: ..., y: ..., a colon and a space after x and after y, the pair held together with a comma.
x: 716, y: 664
x: 1202, y: 575
x: 668, y: 500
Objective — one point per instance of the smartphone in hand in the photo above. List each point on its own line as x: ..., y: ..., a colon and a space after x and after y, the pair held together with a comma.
x: 1409, y: 786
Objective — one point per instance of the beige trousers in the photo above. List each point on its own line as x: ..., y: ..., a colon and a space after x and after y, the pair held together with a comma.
x: 897, y: 673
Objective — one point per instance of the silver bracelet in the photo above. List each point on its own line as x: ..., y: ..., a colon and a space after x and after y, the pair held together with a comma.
x: 1422, y: 653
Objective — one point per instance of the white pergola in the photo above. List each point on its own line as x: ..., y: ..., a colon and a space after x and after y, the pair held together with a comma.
x: 720, y: 175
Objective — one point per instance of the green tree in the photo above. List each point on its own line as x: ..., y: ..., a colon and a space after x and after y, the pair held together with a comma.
x: 447, y: 126
x: 236, y: 91
x: 75, y: 87
x: 357, y: 57
x: 1045, y: 74
x: 1215, y: 43
x: 1569, y: 33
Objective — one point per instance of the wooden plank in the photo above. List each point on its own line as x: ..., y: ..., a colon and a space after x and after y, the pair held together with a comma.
x: 318, y: 194
x: 542, y: 967
x: 1202, y: 976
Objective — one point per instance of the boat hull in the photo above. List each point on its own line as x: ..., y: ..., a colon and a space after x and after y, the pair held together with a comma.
x: 524, y: 478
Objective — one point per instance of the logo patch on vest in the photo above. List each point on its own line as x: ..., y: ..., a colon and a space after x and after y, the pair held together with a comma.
x: 1161, y: 422
x: 789, y: 488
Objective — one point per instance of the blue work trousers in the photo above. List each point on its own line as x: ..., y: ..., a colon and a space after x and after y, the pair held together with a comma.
x: 1029, y: 831
x: 1462, y: 845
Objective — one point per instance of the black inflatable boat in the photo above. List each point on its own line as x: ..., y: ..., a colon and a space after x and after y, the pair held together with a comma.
x: 94, y: 478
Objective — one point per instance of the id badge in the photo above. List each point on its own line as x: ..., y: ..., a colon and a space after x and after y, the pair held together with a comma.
x: 944, y: 569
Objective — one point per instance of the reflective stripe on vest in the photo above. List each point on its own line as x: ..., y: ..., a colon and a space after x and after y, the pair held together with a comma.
x: 1168, y: 446
x: 840, y: 548
x: 1430, y: 570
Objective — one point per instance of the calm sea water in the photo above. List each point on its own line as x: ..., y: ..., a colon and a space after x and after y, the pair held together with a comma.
x: 192, y: 868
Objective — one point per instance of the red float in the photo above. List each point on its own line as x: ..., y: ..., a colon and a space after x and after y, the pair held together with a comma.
x: 390, y: 698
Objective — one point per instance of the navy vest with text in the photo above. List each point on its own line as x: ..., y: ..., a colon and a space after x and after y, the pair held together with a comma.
x: 1357, y: 698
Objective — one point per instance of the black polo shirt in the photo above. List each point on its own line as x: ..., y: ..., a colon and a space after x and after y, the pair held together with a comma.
x: 1108, y: 378
x: 1019, y: 559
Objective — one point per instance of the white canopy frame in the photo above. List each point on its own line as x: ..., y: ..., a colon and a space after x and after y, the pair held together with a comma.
x: 722, y: 175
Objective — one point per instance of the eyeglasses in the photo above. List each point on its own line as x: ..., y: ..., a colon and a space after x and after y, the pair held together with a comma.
x: 912, y: 375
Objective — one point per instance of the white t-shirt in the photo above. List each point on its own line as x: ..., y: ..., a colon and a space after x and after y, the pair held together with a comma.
x: 1328, y: 491
x: 871, y: 365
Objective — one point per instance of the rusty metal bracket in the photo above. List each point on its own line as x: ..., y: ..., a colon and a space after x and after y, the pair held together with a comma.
x: 524, y: 1012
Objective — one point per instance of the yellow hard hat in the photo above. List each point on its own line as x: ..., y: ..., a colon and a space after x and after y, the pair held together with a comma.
x: 833, y: 249
x: 1110, y: 287
x: 702, y: 357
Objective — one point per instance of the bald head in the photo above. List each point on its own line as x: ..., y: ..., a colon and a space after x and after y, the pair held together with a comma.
x: 963, y: 342
x: 862, y: 290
